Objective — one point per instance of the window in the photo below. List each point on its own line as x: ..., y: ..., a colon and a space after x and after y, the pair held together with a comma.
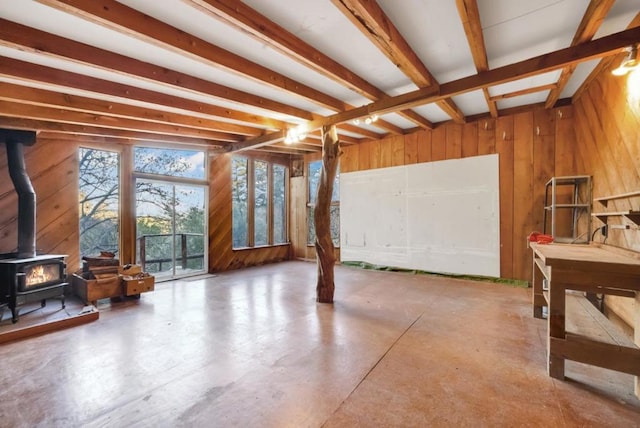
x: 279, y: 205
x: 314, y: 178
x: 258, y: 202
x: 240, y: 201
x: 175, y: 163
x: 99, y: 201
x: 171, y: 207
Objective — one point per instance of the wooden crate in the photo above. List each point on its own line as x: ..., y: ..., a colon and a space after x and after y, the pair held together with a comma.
x: 138, y: 285
x: 90, y: 290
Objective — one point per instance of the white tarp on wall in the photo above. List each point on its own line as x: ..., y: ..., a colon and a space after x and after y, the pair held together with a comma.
x: 437, y: 216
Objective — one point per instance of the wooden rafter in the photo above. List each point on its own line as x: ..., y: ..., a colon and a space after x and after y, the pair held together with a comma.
x: 260, y: 27
x: 42, y: 97
x: 593, y: 49
x: 53, y: 114
x: 27, y: 71
x: 371, y: 20
x: 591, y: 21
x: 121, y: 18
x: 526, y: 91
x: 54, y: 128
x: 29, y: 39
x: 470, y: 17
x: 603, y: 64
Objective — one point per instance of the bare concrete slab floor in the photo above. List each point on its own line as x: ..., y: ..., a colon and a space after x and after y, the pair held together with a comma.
x: 252, y: 349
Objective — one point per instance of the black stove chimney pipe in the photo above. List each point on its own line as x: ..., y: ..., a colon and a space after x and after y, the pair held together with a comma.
x: 15, y: 141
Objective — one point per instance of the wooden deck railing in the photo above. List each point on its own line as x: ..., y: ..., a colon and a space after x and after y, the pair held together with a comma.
x: 184, y: 255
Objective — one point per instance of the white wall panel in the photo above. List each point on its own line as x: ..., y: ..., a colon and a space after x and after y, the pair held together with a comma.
x: 436, y: 216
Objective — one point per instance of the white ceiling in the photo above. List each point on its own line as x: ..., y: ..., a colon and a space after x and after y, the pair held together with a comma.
x: 513, y: 30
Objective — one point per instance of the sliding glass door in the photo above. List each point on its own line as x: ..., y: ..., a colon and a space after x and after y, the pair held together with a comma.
x: 170, y: 228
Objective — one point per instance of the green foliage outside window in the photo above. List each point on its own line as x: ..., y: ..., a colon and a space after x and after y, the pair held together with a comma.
x: 267, y: 182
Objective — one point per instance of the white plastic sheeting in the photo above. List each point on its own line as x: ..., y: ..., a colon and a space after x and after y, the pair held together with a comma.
x: 437, y: 216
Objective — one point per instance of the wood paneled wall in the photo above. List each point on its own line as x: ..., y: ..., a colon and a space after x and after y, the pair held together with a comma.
x: 53, y: 168
x: 607, y: 119
x: 533, y: 146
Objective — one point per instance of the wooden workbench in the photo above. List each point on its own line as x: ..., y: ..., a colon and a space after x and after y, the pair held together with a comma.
x: 593, y: 268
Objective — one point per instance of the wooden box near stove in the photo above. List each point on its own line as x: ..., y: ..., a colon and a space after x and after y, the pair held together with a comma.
x: 99, y: 279
x: 91, y: 289
x: 134, y: 281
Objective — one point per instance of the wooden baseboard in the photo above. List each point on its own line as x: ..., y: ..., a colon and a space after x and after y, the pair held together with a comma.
x: 47, y: 327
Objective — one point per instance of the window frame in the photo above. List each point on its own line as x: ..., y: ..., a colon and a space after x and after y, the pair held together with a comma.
x: 251, y: 182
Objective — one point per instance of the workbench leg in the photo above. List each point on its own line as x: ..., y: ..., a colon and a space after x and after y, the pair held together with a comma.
x: 556, y: 329
x: 538, y: 297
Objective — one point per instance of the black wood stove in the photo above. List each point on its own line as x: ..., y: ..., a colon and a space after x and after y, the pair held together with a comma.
x: 25, y: 276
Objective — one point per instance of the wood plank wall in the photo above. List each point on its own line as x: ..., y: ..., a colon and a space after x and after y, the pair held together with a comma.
x: 607, y: 119
x: 533, y: 146
x: 53, y: 168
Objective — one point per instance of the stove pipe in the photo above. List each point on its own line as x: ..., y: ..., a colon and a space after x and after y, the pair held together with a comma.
x: 15, y: 142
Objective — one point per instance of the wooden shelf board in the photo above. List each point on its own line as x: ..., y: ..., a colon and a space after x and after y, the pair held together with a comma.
x: 634, y: 216
x: 605, y: 199
x: 567, y: 206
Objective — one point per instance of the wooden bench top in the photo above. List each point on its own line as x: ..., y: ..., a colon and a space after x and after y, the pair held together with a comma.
x: 595, y: 257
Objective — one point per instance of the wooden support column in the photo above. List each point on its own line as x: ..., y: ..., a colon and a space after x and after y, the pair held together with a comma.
x: 322, y: 218
x: 127, y: 207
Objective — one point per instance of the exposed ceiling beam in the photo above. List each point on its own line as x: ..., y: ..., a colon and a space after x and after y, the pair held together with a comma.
x: 524, y: 91
x: 27, y: 71
x: 36, y: 112
x: 596, y: 13
x: 371, y: 20
x: 287, y: 150
x: 470, y: 17
x: 121, y: 18
x: 261, y: 28
x: 42, y: 97
x: 67, y: 128
x: 68, y: 81
x: 299, y: 148
x: 31, y: 40
x: 604, y: 46
x: 28, y: 39
x: 603, y: 64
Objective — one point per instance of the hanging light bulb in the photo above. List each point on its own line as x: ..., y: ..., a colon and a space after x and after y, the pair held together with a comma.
x: 629, y: 63
x: 288, y: 139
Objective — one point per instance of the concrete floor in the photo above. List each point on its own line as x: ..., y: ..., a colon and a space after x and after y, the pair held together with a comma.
x: 252, y: 348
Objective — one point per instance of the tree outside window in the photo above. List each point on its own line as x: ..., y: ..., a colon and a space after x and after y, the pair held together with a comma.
x: 99, y: 192
x: 279, y: 204
x: 240, y: 201
x: 258, y: 202
x: 261, y: 203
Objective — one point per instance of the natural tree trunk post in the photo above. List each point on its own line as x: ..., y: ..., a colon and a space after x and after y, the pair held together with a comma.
x: 322, y: 217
